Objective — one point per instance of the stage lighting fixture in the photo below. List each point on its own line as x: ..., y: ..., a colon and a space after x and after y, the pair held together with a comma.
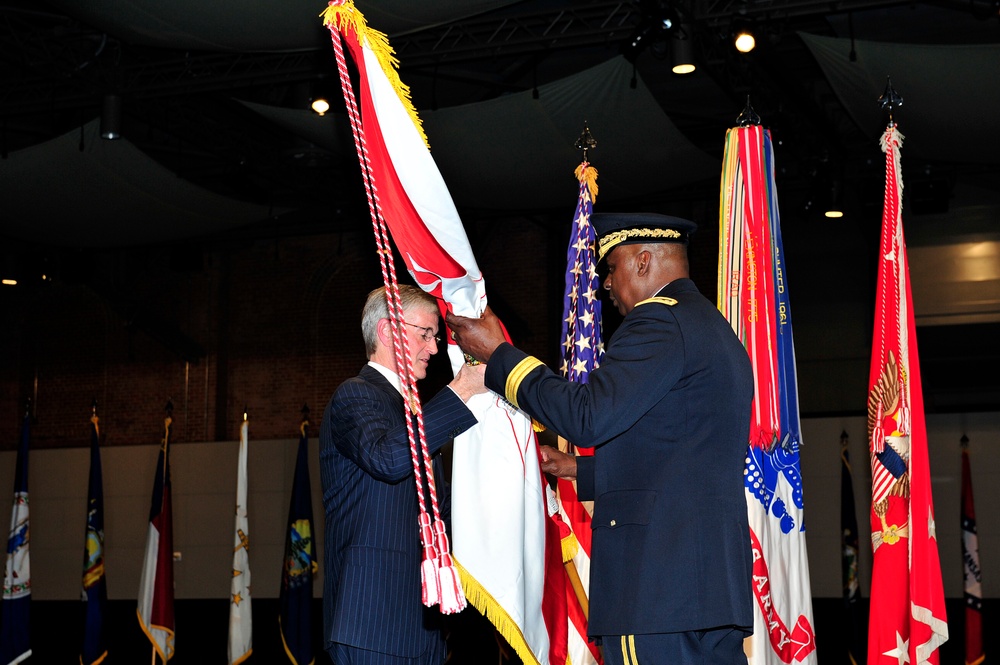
x: 835, y: 204
x: 682, y: 51
x: 320, y: 106
x: 111, y: 117
x: 743, y: 37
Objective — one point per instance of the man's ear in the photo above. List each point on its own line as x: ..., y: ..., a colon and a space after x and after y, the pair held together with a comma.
x: 384, y: 331
x: 642, y: 260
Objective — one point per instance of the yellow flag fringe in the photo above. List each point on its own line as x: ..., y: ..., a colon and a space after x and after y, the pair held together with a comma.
x: 342, y: 14
x: 488, y: 606
x: 570, y: 547
x: 588, y: 174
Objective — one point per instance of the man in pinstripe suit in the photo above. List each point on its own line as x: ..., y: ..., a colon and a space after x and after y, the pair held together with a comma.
x: 372, y: 609
x: 668, y: 416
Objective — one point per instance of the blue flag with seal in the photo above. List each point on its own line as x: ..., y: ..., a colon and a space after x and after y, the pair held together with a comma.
x: 299, y: 569
x: 15, y: 644
x: 95, y: 589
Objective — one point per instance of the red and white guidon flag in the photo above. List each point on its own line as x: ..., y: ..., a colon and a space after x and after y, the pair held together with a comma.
x: 500, y: 509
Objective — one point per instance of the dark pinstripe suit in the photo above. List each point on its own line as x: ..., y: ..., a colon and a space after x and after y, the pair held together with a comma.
x: 371, y: 591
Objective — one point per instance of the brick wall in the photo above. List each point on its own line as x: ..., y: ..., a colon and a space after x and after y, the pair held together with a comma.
x: 267, y: 325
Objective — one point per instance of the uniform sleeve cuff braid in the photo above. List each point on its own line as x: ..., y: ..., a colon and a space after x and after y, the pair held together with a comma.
x: 517, y: 375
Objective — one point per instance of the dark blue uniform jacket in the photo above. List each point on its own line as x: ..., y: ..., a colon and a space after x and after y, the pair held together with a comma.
x: 668, y: 414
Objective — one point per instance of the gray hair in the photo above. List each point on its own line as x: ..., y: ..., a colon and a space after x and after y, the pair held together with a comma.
x: 376, y: 308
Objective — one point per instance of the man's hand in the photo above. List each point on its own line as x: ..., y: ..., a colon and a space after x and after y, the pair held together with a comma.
x: 558, y: 463
x: 469, y: 381
x: 477, y: 337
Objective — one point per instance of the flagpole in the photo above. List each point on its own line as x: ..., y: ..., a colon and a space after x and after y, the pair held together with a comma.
x: 167, y: 422
x: 570, y: 565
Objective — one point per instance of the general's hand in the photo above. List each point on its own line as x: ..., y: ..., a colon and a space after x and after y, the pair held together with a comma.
x: 469, y: 381
x: 477, y: 337
x: 558, y: 463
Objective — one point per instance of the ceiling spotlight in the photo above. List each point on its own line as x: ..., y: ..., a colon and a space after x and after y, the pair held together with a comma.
x: 111, y: 117
x: 835, y: 205
x: 744, y: 41
x: 319, y: 105
x: 657, y: 20
x: 682, y: 51
x: 638, y: 41
x: 742, y: 31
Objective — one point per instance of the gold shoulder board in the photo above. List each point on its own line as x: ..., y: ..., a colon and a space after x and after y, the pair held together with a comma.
x: 669, y: 302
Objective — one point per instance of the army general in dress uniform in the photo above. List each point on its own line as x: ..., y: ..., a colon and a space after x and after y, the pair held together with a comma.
x: 668, y: 416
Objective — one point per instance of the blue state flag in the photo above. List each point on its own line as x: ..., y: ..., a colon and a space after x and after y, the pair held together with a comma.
x: 15, y: 645
x: 299, y: 569
x: 849, y: 557
x: 94, y: 648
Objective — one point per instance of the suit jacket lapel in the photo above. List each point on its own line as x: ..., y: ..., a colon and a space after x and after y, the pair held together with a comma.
x: 374, y: 377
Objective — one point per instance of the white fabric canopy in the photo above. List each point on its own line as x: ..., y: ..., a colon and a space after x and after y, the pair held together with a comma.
x: 255, y: 25
x: 108, y: 194
x: 949, y: 93
x: 516, y: 152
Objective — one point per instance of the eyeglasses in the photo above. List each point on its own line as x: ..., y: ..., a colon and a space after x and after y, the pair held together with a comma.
x: 427, y: 335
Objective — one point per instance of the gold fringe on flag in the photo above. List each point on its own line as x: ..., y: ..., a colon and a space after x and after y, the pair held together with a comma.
x: 488, y: 606
x: 342, y: 14
x: 586, y: 173
x: 570, y: 547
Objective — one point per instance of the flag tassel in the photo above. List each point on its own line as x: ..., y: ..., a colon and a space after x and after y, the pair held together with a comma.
x: 429, y: 583
x: 450, y: 588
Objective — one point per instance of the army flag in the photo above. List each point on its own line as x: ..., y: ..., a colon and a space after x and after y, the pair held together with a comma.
x: 506, y: 544
x: 299, y: 569
x: 907, y: 621
x: 240, y: 615
x: 849, y: 557
x: 973, y: 583
x: 95, y: 589
x: 582, y: 349
x: 156, y: 583
x: 753, y: 295
x: 15, y: 644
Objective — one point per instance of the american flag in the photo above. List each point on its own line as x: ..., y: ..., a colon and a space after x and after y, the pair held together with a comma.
x: 582, y: 351
x: 582, y: 347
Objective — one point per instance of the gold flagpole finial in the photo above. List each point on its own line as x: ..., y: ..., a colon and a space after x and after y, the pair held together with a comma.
x: 304, y: 426
x: 167, y: 421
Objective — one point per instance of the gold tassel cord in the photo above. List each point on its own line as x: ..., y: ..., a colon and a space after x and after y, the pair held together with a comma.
x: 343, y: 15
